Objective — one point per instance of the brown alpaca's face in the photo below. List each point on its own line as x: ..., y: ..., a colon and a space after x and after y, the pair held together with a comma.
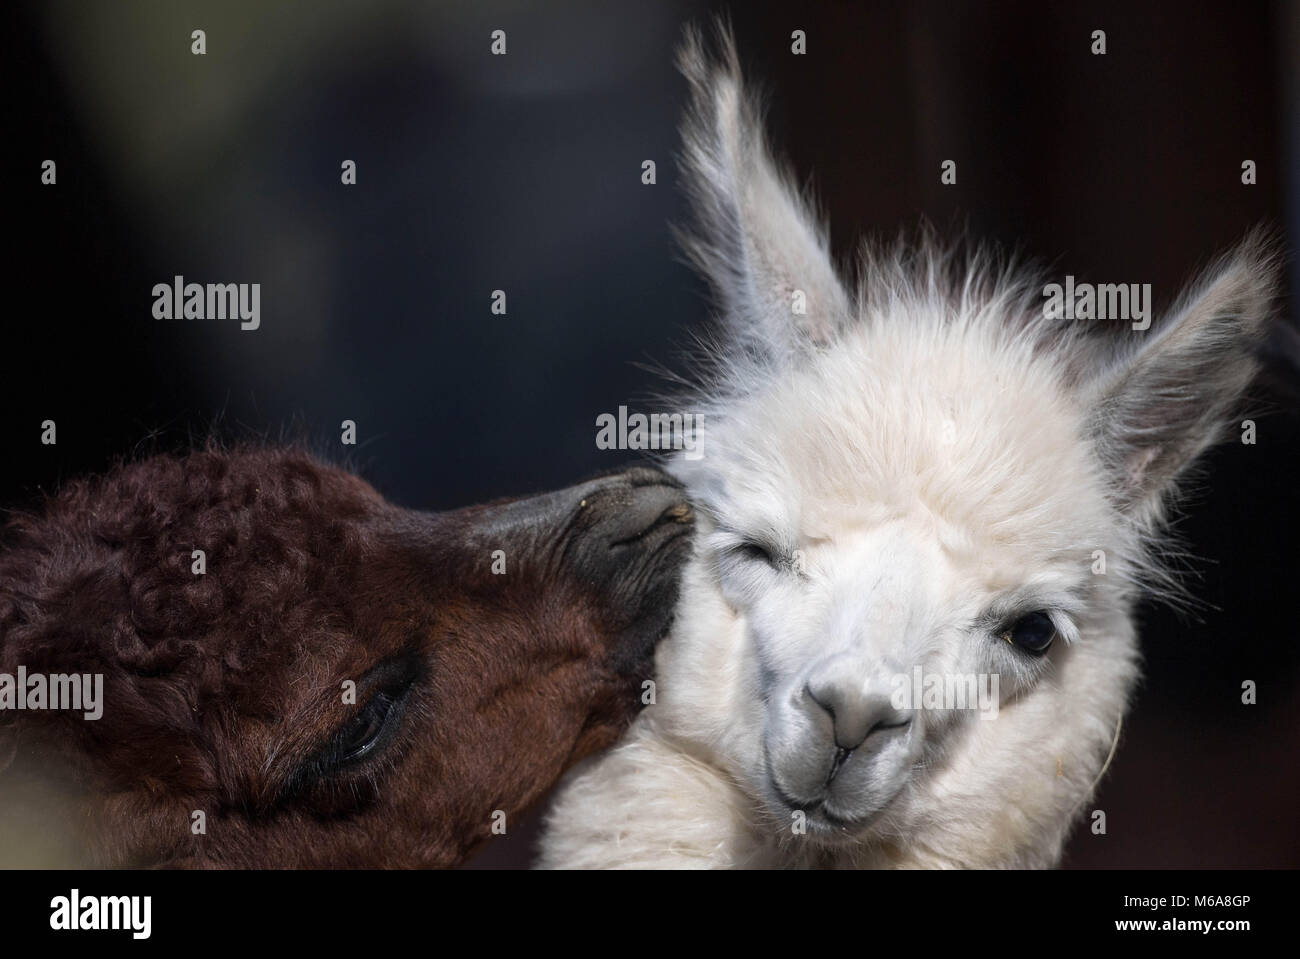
x: 348, y: 683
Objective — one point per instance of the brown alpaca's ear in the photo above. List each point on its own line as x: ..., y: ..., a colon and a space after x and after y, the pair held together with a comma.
x: 1163, y: 401
x: 756, y: 239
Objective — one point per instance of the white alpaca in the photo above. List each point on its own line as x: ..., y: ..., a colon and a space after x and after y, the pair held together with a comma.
x: 927, y: 474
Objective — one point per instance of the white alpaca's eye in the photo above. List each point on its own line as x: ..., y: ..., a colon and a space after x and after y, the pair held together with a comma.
x: 751, y: 551
x: 1033, y: 633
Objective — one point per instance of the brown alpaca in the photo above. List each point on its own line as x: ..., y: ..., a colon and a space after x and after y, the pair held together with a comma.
x: 223, y: 692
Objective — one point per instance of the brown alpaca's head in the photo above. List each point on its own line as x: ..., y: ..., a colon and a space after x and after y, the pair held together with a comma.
x: 333, y: 681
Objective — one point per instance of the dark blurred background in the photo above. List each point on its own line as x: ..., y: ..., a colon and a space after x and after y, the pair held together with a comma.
x: 522, y: 173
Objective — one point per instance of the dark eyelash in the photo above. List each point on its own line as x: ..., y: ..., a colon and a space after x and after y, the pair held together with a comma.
x: 386, y: 706
x: 997, y: 619
x: 368, y: 729
x: 756, y: 551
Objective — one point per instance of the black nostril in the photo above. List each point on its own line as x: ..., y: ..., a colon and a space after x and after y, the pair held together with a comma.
x: 901, y: 720
x: 675, y: 516
x: 895, y: 720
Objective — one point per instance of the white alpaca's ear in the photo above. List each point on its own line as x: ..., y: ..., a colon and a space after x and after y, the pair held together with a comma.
x: 756, y: 238
x: 1161, y: 403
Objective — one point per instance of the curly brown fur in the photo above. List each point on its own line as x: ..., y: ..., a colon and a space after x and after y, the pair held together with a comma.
x: 223, y: 691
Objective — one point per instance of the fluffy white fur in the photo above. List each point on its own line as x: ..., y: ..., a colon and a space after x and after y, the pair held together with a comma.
x: 889, y: 480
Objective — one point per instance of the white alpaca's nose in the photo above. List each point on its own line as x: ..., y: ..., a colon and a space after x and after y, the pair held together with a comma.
x: 856, y: 713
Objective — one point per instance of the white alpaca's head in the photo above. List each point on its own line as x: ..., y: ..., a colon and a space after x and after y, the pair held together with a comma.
x: 922, y: 473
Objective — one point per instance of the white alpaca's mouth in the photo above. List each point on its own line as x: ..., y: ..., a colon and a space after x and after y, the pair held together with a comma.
x: 822, y: 815
x: 842, y: 806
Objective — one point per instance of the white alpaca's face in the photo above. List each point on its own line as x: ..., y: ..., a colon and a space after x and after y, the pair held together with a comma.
x: 885, y: 542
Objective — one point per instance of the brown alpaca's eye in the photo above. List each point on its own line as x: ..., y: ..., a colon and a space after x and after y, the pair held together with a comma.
x: 1033, y: 633
x: 373, y: 727
x: 363, y: 733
